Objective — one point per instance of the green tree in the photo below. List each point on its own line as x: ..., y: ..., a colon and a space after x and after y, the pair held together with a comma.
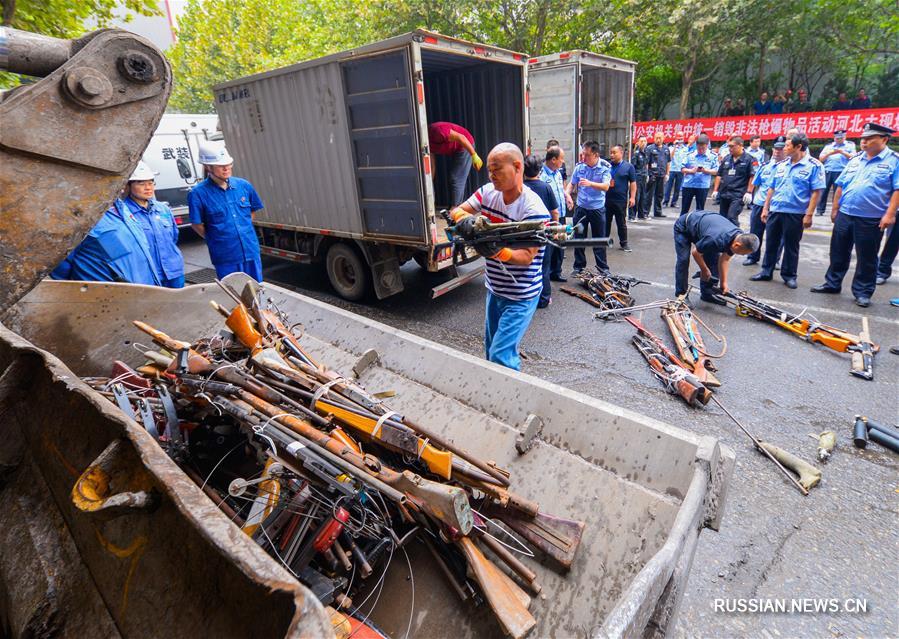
x: 67, y: 18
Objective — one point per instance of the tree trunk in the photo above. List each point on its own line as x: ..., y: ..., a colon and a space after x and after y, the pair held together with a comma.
x: 687, y: 82
x: 760, y: 86
x: 9, y: 12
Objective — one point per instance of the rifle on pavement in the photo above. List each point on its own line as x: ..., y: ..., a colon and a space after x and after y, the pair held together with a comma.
x: 684, y: 326
x: 809, y: 329
x: 605, y: 290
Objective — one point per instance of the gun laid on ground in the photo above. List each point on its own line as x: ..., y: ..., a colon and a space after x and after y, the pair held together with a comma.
x: 808, y: 329
x: 604, y: 290
x: 863, y: 354
x: 684, y: 326
x: 674, y: 373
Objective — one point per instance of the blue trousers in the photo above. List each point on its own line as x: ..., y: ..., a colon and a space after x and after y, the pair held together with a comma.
x: 690, y: 193
x: 888, y: 254
x: 460, y: 167
x: 175, y: 282
x: 253, y: 268
x: 596, y: 222
x: 557, y: 257
x: 505, y: 324
x: 864, y: 233
x: 672, y: 189
x: 829, y: 178
x: 546, y: 292
x: 783, y: 229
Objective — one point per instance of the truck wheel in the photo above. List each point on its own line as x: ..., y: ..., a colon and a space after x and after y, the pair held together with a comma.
x: 421, y: 259
x: 347, y: 272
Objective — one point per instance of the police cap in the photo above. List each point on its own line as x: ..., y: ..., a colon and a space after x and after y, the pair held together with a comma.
x: 780, y: 142
x: 872, y: 129
x: 839, y: 133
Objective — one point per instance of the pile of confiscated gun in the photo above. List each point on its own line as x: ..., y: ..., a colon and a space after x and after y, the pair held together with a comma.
x: 604, y: 290
x: 325, y: 477
x: 690, y: 374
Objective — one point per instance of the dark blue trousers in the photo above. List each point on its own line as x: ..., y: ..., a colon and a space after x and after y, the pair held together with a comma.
x: 596, y: 223
x: 786, y: 229
x: 690, y: 194
x: 829, y: 178
x: 888, y: 254
x: 672, y: 189
x: 757, y: 227
x: 546, y: 292
x: 864, y: 234
x: 682, y: 248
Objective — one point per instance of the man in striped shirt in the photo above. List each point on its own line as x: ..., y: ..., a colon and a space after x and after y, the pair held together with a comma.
x: 514, y: 277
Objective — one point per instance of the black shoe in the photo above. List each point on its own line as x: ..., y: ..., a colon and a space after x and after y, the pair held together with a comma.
x: 660, y: 215
x: 825, y: 288
x: 631, y: 219
x: 558, y: 278
x: 790, y: 283
x: 864, y: 302
x: 894, y: 350
x: 695, y: 276
x: 761, y: 277
x: 749, y: 261
x: 542, y: 304
x: 819, y: 215
x: 711, y: 299
x: 881, y: 280
x: 626, y: 249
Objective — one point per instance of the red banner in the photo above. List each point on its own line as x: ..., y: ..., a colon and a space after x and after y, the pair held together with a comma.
x: 817, y: 124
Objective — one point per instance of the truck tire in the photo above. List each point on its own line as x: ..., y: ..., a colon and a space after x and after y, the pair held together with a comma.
x: 347, y: 272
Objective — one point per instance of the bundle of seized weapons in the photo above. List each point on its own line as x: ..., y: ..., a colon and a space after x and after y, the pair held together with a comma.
x: 687, y: 374
x: 605, y: 290
x: 524, y: 234
x: 811, y: 330
x: 324, y: 476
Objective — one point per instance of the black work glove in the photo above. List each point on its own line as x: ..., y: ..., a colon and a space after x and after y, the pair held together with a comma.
x: 487, y: 249
x: 465, y: 227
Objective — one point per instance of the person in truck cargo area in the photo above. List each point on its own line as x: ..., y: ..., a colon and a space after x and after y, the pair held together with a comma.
x: 158, y: 223
x: 514, y: 277
x: 221, y: 211
x: 457, y: 143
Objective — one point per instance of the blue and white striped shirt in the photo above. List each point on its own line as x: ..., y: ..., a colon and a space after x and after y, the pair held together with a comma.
x: 508, y: 280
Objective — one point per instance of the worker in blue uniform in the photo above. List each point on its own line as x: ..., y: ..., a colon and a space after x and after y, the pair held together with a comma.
x: 115, y: 250
x: 699, y: 167
x: 221, y: 211
x: 865, y: 204
x: 158, y: 223
x: 789, y: 206
x: 835, y: 156
x: 712, y: 239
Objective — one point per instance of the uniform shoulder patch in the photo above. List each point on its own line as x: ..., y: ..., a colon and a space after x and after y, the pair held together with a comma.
x: 605, y: 163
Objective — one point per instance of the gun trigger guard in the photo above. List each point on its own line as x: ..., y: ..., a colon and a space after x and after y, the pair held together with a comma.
x: 533, y: 426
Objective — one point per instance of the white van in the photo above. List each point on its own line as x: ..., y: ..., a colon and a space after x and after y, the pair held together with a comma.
x: 172, y: 154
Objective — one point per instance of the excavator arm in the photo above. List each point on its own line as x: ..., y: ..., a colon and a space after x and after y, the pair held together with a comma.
x: 69, y: 140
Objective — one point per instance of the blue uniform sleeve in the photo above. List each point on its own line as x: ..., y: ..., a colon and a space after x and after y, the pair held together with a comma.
x: 895, y: 180
x: 631, y: 173
x: 605, y: 175
x: 195, y: 207
x: 817, y: 179
x: 577, y: 174
x: 255, y: 200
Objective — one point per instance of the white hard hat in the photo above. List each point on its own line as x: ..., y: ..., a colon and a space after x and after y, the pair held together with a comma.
x: 214, y: 154
x: 142, y: 172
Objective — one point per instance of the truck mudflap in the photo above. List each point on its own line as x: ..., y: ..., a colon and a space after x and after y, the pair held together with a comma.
x: 645, y: 489
x: 103, y: 535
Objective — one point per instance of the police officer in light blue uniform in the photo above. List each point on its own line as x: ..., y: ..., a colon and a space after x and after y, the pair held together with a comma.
x: 760, y: 183
x: 221, y: 210
x: 865, y: 203
x: 835, y: 156
x: 115, y: 250
x: 592, y: 177
x: 699, y: 168
x: 158, y: 223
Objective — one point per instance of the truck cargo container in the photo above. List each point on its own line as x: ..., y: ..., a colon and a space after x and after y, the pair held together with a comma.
x: 578, y: 96
x: 337, y: 148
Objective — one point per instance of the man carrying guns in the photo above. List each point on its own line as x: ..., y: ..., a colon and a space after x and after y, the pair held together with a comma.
x: 514, y: 277
x: 713, y: 240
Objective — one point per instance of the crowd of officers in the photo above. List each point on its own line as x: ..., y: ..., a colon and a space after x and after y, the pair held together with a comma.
x: 136, y: 240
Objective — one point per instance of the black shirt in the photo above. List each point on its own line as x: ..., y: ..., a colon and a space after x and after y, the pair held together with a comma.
x: 546, y: 194
x: 710, y: 231
x: 734, y: 174
x: 657, y: 159
x: 623, y: 174
x: 639, y: 160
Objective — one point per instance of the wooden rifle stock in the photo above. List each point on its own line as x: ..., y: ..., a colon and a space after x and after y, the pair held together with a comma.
x: 557, y: 537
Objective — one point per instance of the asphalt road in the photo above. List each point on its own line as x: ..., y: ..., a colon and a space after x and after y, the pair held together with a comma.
x: 837, y: 543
